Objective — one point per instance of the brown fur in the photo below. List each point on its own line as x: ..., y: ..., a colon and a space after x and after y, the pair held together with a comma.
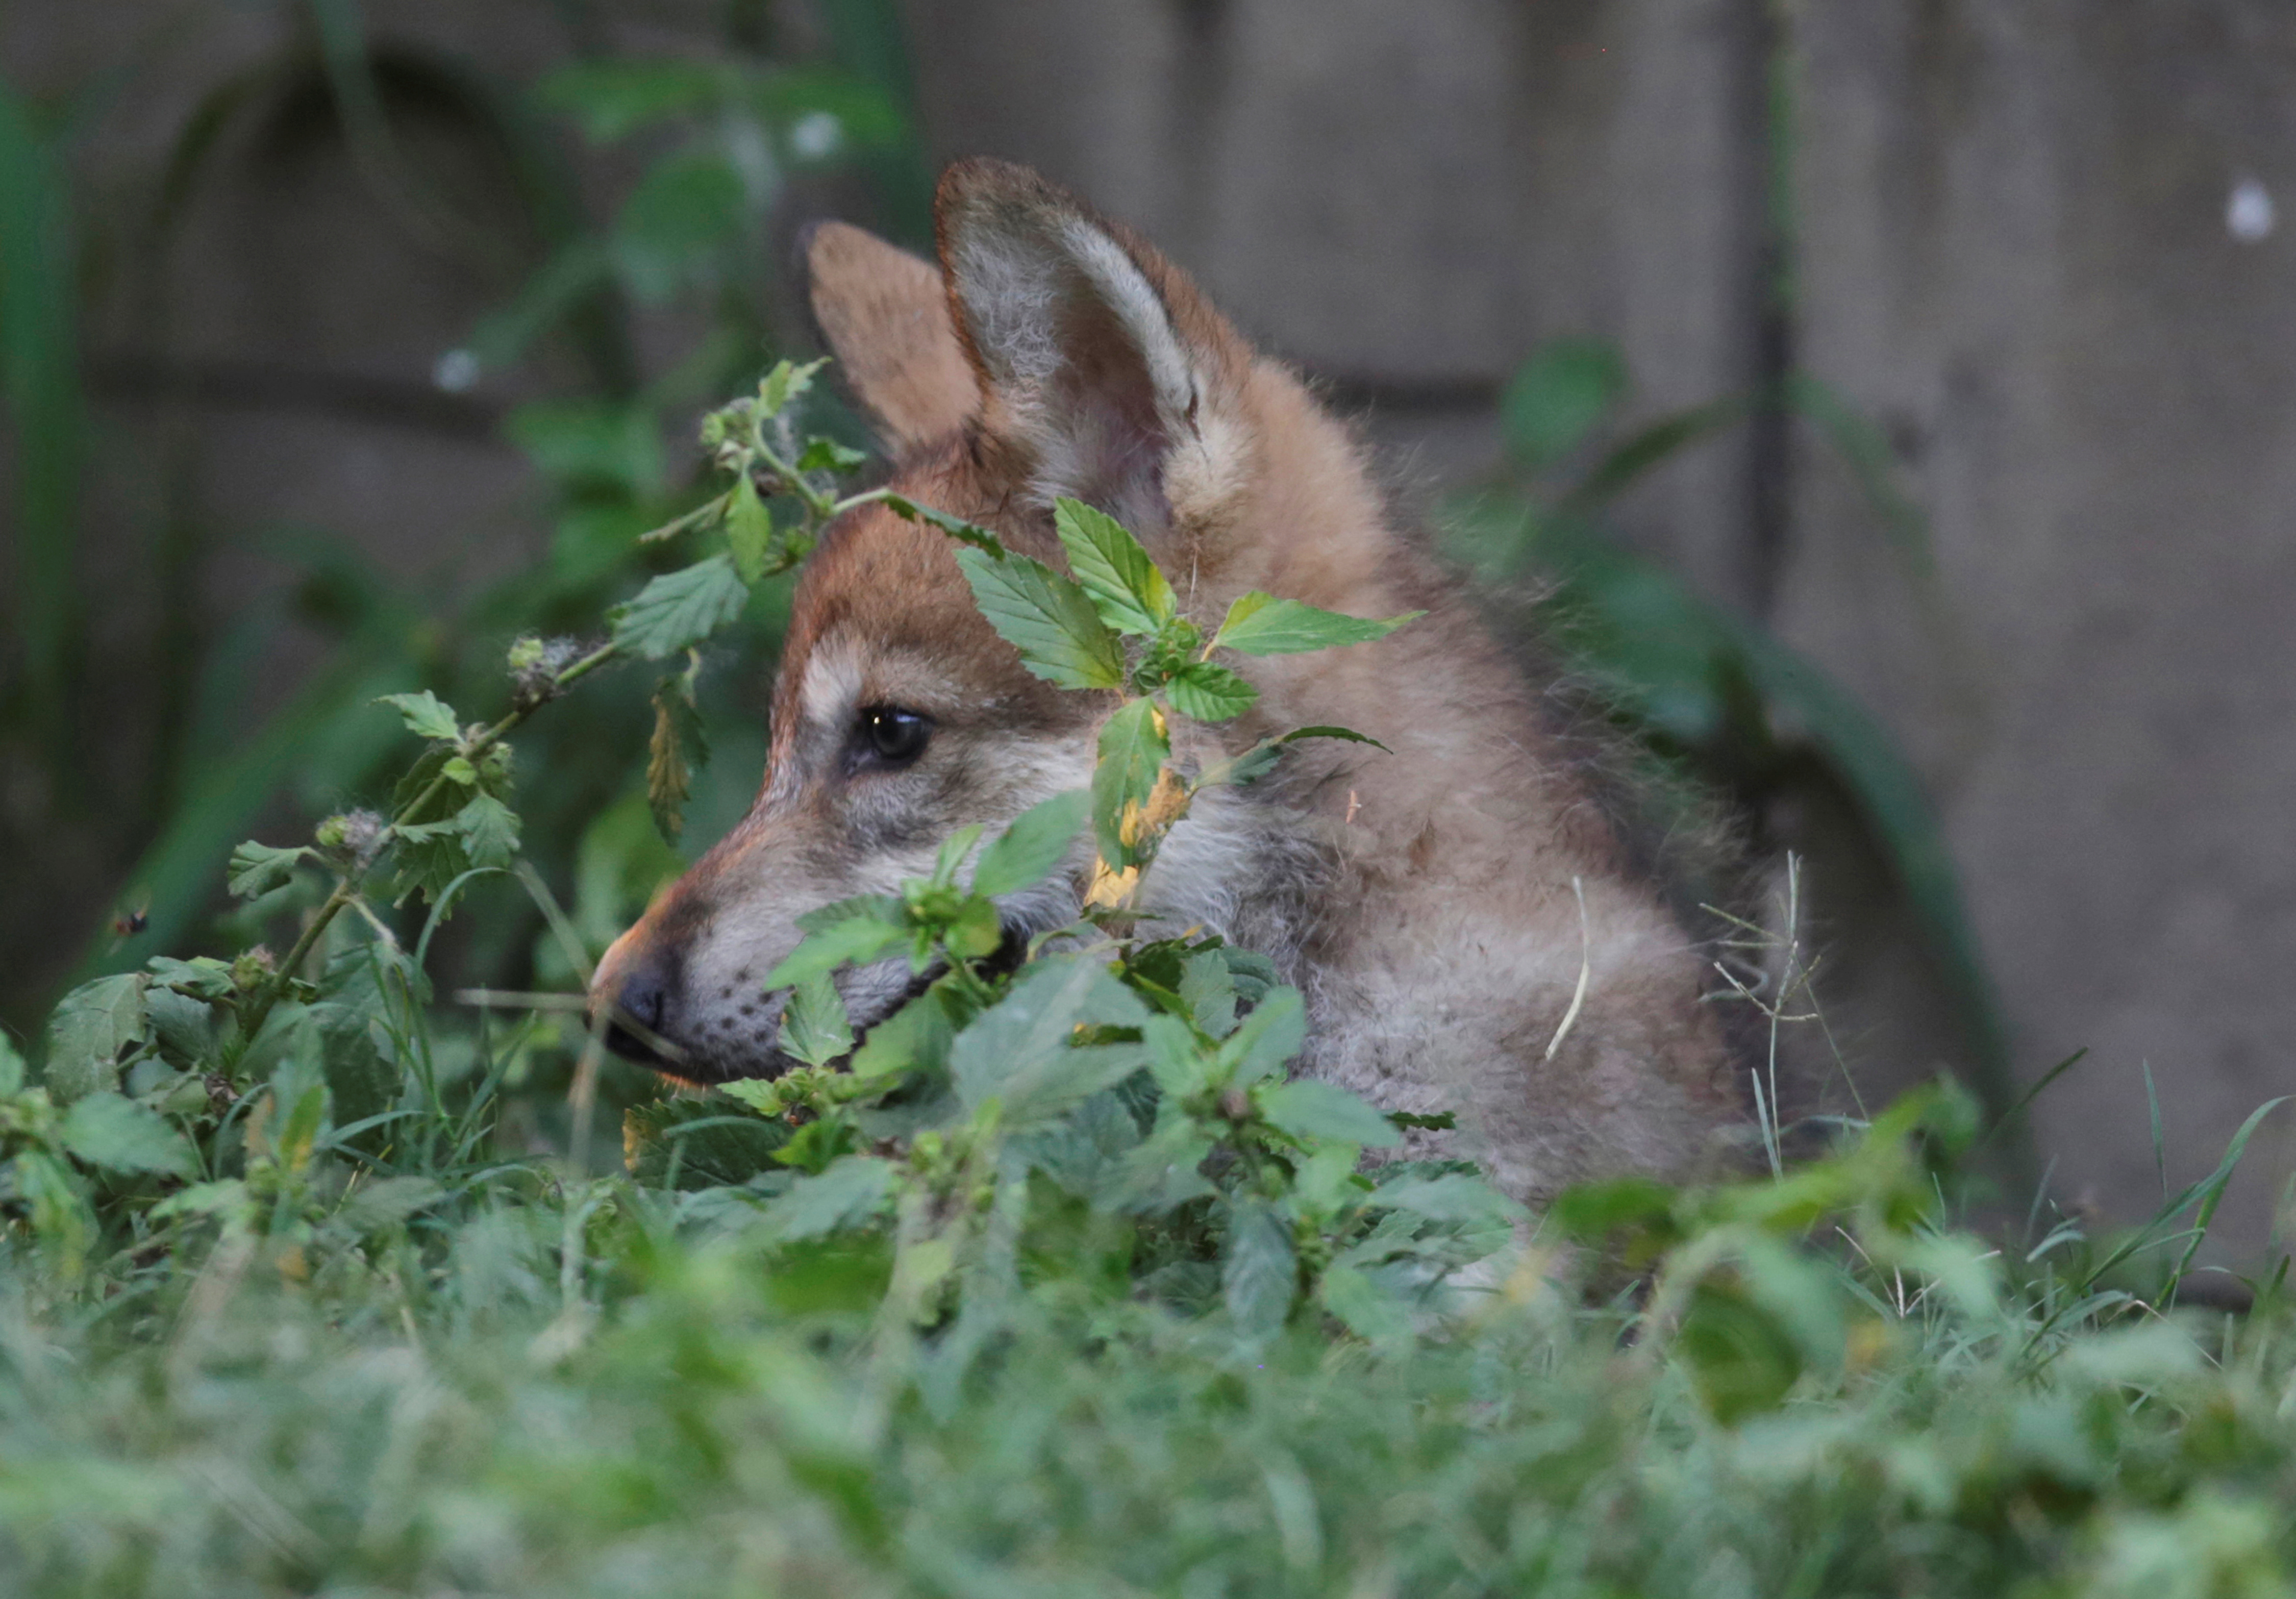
x: 1423, y: 900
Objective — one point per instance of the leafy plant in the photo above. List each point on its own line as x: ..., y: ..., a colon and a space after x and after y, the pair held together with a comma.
x: 1051, y: 1279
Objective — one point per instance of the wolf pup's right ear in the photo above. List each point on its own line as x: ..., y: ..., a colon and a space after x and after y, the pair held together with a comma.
x: 884, y: 315
x: 1099, y: 361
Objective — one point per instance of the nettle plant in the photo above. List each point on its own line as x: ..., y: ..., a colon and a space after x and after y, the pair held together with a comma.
x: 1108, y: 1107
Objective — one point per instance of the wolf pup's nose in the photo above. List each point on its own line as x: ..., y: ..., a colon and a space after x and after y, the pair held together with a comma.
x: 641, y: 994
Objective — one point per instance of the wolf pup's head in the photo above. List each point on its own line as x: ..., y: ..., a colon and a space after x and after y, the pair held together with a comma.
x: 1052, y: 354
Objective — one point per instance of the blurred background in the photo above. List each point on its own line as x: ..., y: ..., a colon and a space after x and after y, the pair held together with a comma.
x: 1892, y: 403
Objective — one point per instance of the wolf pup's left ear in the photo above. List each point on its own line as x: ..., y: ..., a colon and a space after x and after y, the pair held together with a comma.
x: 1098, y: 359
x: 884, y: 315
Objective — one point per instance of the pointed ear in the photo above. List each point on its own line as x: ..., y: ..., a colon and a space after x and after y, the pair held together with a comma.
x: 884, y: 315
x: 1097, y: 358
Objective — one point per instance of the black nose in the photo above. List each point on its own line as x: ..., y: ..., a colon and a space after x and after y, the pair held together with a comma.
x: 644, y: 1005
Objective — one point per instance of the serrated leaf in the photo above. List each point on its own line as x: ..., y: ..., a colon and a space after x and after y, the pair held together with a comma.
x: 1268, y: 1037
x: 426, y: 714
x: 1321, y: 1111
x: 1130, y: 594
x: 1259, y: 1272
x: 1133, y: 749
x: 971, y: 534
x: 1260, y: 624
x: 91, y: 1027
x: 1018, y: 1050
x: 255, y: 869
x: 815, y: 1027
x: 785, y: 382
x: 826, y: 454
x: 1033, y: 847
x: 1208, y: 987
x: 1048, y: 619
x: 489, y: 830
x: 1210, y: 693
x: 118, y: 1134
x: 677, y: 747
x: 748, y: 530
x: 678, y: 610
x: 857, y: 939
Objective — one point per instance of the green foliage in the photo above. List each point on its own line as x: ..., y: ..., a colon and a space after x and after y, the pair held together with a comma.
x: 1051, y: 1282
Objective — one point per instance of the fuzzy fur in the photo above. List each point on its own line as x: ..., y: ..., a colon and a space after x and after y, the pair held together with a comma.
x: 1436, y: 905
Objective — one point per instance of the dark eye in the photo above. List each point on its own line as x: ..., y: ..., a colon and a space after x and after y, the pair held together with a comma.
x: 893, y: 737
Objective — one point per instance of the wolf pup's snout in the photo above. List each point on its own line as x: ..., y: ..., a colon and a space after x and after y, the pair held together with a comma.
x: 634, y: 983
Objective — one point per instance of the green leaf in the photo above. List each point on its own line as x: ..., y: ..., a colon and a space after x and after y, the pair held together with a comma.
x: 748, y: 530
x: 849, y: 1193
x: 1126, y: 589
x: 1260, y: 759
x: 857, y: 939
x: 785, y: 382
x: 1258, y: 1274
x: 1310, y: 1109
x: 971, y: 534
x: 678, y: 610
x: 1048, y: 619
x: 1208, y: 987
x: 1556, y: 398
x: 1260, y: 624
x: 257, y: 869
x: 489, y: 831
x: 1364, y: 1306
x: 1210, y: 693
x: 1033, y: 847
x: 13, y: 1066
x: 815, y: 1027
x: 426, y: 714
x: 954, y: 849
x: 1269, y: 1037
x: 118, y: 1134
x: 915, y: 1036
x: 92, y: 1026
x: 826, y: 454
x: 1133, y: 749
x: 1018, y: 1050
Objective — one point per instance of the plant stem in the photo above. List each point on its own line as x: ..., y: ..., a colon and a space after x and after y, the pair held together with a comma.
x: 346, y: 886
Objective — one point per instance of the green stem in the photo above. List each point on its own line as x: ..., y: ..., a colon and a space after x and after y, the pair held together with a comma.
x: 347, y: 886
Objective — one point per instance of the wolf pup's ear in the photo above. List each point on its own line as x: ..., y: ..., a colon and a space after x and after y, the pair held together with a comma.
x: 1097, y: 358
x: 884, y: 315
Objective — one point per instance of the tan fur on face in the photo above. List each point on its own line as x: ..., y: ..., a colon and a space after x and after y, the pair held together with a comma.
x: 1422, y: 900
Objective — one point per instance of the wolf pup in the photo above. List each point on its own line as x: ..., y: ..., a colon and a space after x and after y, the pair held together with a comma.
x: 1458, y: 913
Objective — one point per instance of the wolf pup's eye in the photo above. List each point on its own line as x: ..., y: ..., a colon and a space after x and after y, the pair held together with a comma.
x: 893, y: 737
